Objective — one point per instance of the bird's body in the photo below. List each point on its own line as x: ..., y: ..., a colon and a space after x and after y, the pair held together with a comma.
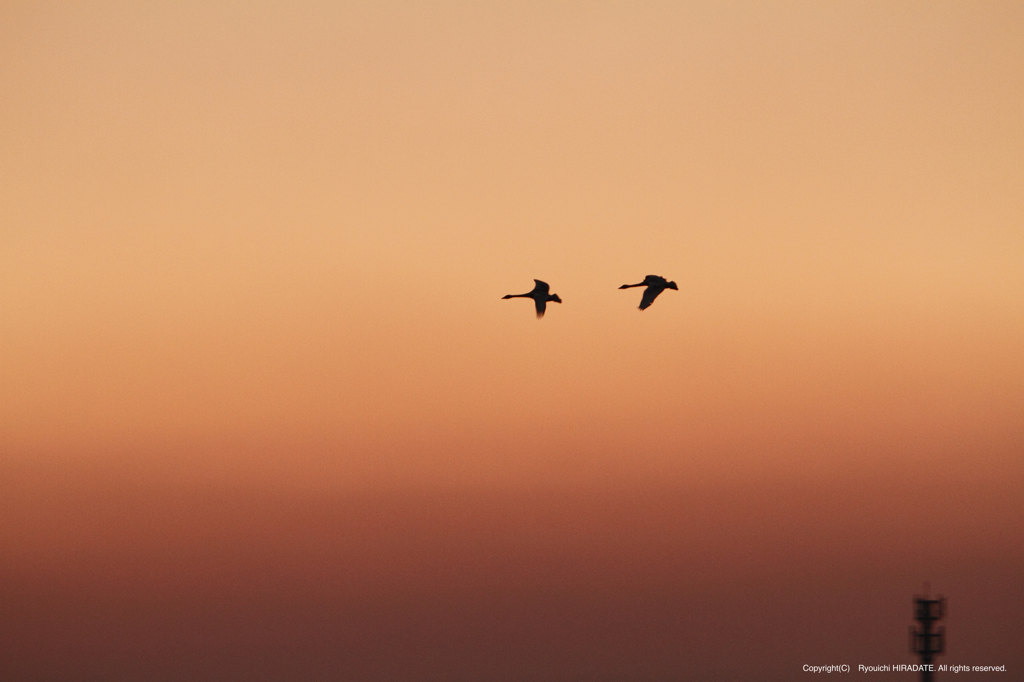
x: 539, y: 295
x: 655, y: 285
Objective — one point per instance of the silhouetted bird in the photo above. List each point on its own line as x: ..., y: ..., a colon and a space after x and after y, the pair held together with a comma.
x: 655, y: 285
x: 539, y: 295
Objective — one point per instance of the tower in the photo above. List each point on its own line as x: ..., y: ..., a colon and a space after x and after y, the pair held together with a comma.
x: 923, y: 641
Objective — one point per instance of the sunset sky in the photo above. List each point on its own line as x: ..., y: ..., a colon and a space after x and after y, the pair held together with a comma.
x: 263, y: 413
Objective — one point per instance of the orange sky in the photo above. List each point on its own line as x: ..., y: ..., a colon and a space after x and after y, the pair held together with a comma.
x: 259, y: 248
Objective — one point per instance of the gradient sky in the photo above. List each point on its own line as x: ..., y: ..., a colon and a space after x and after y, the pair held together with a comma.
x: 259, y: 393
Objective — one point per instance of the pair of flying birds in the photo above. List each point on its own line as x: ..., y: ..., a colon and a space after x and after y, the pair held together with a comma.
x: 655, y: 285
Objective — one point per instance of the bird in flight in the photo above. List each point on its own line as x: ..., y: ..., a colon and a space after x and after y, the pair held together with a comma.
x: 655, y: 285
x: 539, y: 295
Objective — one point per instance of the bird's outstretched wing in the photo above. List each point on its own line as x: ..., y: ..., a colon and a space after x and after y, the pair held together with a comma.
x: 541, y: 287
x: 542, y: 305
x: 650, y: 293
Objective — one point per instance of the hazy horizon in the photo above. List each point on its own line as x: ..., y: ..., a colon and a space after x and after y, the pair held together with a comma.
x: 263, y: 412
